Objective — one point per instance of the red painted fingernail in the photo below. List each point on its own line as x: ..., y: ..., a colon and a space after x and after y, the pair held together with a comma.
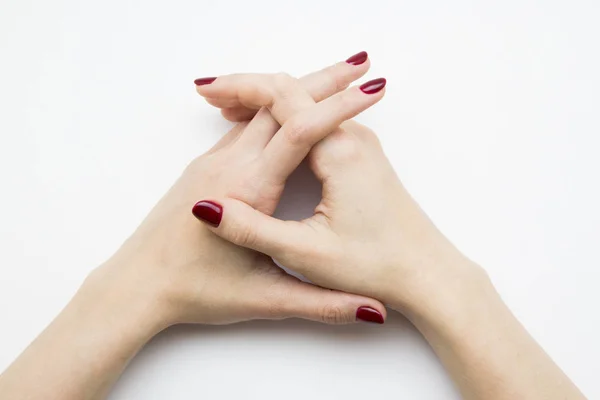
x: 373, y: 86
x: 358, y: 58
x: 209, y: 212
x: 204, y: 81
x: 369, y: 314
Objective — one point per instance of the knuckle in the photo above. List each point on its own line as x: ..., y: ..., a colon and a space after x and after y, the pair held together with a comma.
x: 283, y: 82
x: 296, y: 131
x: 241, y: 235
x: 275, y: 306
x: 331, y: 314
x: 345, y: 101
x: 362, y: 132
x: 340, y: 83
x: 370, y: 137
x: 337, y: 81
x: 276, y: 299
x: 377, y: 143
x: 250, y: 91
x: 346, y: 149
x: 275, y: 309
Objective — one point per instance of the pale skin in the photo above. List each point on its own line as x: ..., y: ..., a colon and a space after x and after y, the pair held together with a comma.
x: 368, y: 241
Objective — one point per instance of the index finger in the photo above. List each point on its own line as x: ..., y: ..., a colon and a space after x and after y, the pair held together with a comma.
x: 240, y: 103
x: 301, y: 132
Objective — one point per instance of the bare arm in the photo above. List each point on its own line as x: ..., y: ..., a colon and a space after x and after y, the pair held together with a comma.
x: 174, y: 270
x: 85, y: 349
x: 369, y: 236
x: 488, y: 353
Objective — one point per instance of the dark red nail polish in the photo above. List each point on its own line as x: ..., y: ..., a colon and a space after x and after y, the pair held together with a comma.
x: 369, y: 314
x: 209, y: 212
x: 358, y: 58
x: 204, y: 81
x: 373, y: 86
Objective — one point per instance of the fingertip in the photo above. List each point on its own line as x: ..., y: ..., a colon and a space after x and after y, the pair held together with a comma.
x: 347, y: 308
x: 373, y: 86
x: 351, y: 72
x: 367, y: 64
x: 209, y: 212
x: 353, y: 68
x: 204, y: 81
x: 358, y: 58
x: 370, y: 315
x: 202, y: 84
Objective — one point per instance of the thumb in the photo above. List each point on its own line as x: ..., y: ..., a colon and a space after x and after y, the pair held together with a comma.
x: 237, y: 222
x: 294, y: 298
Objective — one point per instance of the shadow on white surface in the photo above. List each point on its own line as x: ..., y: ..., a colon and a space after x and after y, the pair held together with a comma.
x: 396, y: 328
x: 301, y: 195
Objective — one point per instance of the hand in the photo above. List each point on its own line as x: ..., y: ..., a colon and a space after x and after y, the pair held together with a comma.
x: 184, y: 272
x: 367, y: 235
x: 174, y: 270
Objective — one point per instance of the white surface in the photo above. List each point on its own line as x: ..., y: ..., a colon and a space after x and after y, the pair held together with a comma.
x: 490, y: 118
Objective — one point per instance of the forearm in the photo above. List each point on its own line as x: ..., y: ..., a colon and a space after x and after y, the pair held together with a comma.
x: 485, y: 349
x: 84, y: 350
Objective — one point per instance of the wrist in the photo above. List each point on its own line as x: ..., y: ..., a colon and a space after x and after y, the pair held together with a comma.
x: 85, y: 348
x: 458, y: 317
x: 435, y: 294
x: 110, y: 297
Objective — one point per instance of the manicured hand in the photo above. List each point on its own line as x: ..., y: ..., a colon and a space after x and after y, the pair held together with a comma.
x: 366, y: 236
x: 175, y: 265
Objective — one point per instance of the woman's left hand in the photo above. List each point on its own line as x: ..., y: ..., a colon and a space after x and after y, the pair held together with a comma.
x: 173, y: 269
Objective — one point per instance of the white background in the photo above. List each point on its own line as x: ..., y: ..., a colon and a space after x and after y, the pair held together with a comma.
x: 490, y: 118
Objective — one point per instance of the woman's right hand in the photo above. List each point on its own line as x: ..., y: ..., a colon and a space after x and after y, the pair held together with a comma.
x: 366, y: 236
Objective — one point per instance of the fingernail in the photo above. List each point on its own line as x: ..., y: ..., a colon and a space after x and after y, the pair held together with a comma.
x: 369, y: 314
x: 358, y: 58
x: 208, y: 211
x: 205, y: 81
x: 373, y: 86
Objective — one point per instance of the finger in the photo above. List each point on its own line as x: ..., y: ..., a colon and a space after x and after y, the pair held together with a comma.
x: 319, y: 85
x: 237, y: 222
x: 222, y: 102
x: 335, y: 78
x: 259, y: 131
x: 299, y: 134
x: 238, y: 114
x: 280, y: 92
x: 282, y: 99
x: 292, y: 298
x: 229, y: 138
